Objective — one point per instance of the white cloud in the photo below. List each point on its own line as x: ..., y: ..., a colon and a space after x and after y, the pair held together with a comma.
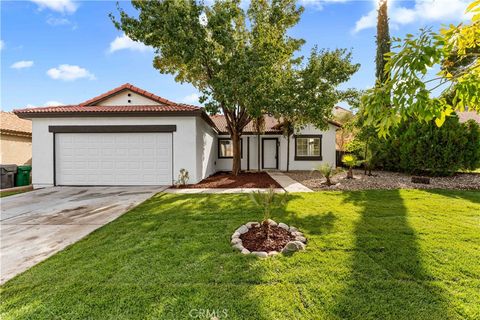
x: 191, y: 99
x: 67, y: 72
x: 422, y: 11
x: 62, y: 6
x: 367, y: 21
x: 2, y: 44
x: 22, y: 64
x: 53, y: 103
x: 58, y: 21
x: 319, y: 2
x: 125, y: 43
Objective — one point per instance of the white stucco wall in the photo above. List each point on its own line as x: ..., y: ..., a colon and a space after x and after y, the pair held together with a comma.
x: 121, y: 99
x: 184, y: 143
x: 206, y: 145
x: 328, y: 151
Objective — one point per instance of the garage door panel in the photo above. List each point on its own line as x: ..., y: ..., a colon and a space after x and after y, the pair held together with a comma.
x: 113, y: 158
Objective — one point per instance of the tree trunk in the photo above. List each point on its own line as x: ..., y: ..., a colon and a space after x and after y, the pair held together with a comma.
x: 258, y: 152
x: 288, y: 153
x: 365, y: 164
x: 236, y: 119
x: 350, y: 173
x: 237, y: 153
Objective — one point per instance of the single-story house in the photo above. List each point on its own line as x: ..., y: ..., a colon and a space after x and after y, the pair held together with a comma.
x: 15, y: 139
x: 128, y: 136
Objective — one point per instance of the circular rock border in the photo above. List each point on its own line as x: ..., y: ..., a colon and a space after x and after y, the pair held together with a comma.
x: 292, y: 246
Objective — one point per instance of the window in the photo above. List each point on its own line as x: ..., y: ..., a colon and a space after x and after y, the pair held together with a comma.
x: 225, y: 148
x: 308, y: 147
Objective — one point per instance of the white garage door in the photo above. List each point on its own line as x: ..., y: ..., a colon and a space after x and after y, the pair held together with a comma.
x: 113, y: 158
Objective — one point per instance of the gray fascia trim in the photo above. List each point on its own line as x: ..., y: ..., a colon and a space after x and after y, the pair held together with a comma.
x: 112, y: 129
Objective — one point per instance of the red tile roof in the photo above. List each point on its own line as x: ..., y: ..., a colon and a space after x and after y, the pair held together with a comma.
x: 221, y: 124
x: 13, y: 125
x: 109, y: 109
x: 91, y: 107
x: 272, y: 125
x: 126, y: 86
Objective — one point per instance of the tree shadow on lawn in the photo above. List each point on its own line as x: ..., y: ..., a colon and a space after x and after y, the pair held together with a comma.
x: 387, y: 278
x: 470, y: 195
x: 168, y: 258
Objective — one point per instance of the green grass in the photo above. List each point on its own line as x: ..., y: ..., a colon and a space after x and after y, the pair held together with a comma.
x: 11, y: 193
x: 405, y: 254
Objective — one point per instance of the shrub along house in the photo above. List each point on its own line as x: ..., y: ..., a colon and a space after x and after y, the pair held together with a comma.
x: 128, y: 136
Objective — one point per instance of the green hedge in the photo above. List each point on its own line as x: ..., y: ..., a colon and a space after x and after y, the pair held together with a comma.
x: 419, y: 147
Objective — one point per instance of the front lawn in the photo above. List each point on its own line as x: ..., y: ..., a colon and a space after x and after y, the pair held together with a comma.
x: 398, y: 254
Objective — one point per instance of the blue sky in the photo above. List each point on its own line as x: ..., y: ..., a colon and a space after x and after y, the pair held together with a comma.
x: 64, y: 51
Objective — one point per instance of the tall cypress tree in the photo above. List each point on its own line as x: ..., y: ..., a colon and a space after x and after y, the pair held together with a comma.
x: 367, y: 133
x: 383, y: 42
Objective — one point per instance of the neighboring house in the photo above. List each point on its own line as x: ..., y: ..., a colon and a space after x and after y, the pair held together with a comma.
x: 129, y: 136
x: 342, y: 116
x: 15, y: 139
x: 468, y: 115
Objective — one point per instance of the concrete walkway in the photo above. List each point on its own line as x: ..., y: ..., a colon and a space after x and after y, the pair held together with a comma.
x: 218, y: 190
x: 288, y: 183
x: 37, y: 224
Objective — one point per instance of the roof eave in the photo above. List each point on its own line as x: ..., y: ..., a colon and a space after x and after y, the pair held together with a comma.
x: 67, y: 114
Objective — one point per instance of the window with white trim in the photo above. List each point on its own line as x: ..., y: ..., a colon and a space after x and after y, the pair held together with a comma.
x: 308, y: 147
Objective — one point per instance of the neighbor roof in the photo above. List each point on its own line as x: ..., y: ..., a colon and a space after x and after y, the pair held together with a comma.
x: 13, y: 125
x: 272, y: 124
x: 468, y: 115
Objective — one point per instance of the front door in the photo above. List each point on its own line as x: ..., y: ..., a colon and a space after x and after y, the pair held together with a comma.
x: 270, y: 153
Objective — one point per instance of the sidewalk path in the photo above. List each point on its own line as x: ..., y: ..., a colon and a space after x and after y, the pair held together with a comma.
x: 218, y: 190
x: 288, y: 183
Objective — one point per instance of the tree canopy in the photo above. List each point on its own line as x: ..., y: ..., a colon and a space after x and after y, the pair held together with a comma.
x: 410, y: 91
x: 243, y: 62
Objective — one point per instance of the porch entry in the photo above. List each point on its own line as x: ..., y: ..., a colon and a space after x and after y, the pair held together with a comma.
x: 269, y: 153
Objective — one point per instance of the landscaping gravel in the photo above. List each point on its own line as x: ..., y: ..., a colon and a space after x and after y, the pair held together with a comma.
x: 384, y: 180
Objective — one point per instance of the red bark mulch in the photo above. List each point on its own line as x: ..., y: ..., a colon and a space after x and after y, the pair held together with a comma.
x: 243, y: 180
x: 255, y: 239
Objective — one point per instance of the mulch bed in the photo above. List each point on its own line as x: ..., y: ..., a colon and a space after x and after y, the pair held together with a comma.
x: 255, y: 239
x: 244, y: 180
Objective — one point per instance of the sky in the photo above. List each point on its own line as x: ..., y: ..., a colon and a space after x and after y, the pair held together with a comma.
x: 56, y: 52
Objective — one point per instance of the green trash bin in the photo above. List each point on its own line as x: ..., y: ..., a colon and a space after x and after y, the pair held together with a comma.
x: 23, y: 176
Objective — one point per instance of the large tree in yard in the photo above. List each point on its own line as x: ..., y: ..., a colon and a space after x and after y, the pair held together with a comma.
x: 238, y: 59
x: 307, y: 94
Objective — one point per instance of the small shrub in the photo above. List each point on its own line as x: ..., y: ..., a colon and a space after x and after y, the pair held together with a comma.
x: 266, y: 202
x: 351, y: 161
x: 327, y: 171
x: 183, y: 178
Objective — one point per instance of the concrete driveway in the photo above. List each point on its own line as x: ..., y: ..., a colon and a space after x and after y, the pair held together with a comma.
x: 37, y: 224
